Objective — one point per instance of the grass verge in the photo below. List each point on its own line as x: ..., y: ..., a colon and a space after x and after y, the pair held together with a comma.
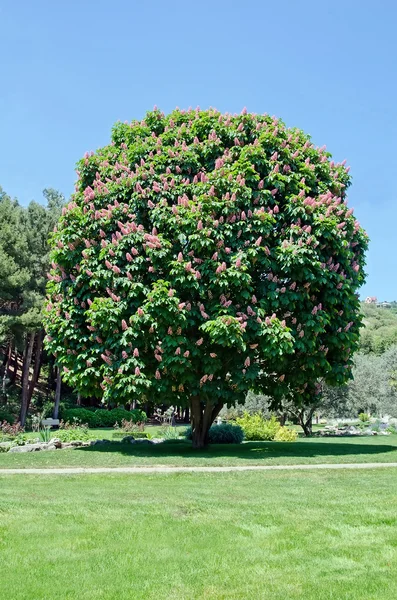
x: 312, y: 536
x: 304, y: 451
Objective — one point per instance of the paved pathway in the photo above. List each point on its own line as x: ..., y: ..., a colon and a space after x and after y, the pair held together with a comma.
x: 165, y: 469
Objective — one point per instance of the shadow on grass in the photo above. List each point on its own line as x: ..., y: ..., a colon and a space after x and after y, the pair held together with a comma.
x: 249, y: 450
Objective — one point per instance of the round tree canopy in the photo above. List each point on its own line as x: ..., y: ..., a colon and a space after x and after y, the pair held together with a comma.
x: 203, y: 255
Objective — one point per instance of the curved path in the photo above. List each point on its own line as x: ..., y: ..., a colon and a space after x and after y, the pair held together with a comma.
x: 165, y: 469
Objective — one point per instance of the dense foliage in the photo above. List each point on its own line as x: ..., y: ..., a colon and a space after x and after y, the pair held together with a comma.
x: 202, y: 255
x: 103, y: 418
x: 380, y: 331
x: 24, y: 263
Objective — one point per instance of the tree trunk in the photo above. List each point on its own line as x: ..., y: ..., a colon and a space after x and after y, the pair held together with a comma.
x: 6, y: 365
x: 7, y: 355
x: 37, y: 365
x: 306, y: 423
x: 78, y: 399
x: 57, y: 394
x: 13, y: 377
x: 202, y: 416
x: 25, y: 377
x: 283, y: 418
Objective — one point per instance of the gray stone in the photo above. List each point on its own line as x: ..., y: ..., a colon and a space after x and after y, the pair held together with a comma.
x: 128, y: 439
x: 28, y: 448
x: 100, y: 442
x: 143, y: 441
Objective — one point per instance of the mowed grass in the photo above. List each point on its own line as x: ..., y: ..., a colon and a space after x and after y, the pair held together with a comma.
x: 229, y: 536
x: 308, y: 451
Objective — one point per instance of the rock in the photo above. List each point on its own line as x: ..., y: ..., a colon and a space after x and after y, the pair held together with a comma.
x: 99, y: 442
x: 143, y: 441
x: 76, y: 443
x: 29, y: 448
x: 50, y: 446
x: 5, y: 444
x: 157, y: 440
x: 57, y: 443
x: 128, y: 439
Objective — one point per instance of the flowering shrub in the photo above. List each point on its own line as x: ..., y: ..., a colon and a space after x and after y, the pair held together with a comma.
x: 10, y: 431
x: 203, y: 255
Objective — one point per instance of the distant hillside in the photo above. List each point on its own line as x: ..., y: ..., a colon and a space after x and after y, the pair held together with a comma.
x: 380, y: 331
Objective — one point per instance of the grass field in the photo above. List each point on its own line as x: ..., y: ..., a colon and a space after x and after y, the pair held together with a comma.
x: 305, y: 450
x: 230, y: 536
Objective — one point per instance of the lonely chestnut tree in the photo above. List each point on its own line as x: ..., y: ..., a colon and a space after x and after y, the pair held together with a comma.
x: 204, y: 255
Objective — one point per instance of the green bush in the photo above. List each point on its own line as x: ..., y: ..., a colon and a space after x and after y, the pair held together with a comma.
x: 286, y: 435
x: 256, y: 428
x: 73, y: 433
x: 5, y: 415
x: 82, y: 415
x: 102, y: 417
x: 364, y: 417
x: 226, y: 433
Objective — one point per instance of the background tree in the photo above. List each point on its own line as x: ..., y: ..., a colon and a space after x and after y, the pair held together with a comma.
x: 380, y: 329
x: 24, y: 263
x: 203, y: 255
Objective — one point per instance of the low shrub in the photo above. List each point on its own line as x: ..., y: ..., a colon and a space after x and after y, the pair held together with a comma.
x: 168, y: 432
x: 256, y: 428
x: 120, y: 434
x: 69, y: 432
x: 286, y: 435
x: 226, y: 433
x: 364, y: 417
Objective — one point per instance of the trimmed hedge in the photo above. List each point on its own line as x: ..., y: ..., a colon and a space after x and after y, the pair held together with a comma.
x: 102, y: 417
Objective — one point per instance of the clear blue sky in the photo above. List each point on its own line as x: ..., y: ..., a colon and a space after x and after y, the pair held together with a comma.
x: 70, y: 69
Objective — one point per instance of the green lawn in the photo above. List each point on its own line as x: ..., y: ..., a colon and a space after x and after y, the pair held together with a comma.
x: 232, y: 536
x: 311, y: 450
